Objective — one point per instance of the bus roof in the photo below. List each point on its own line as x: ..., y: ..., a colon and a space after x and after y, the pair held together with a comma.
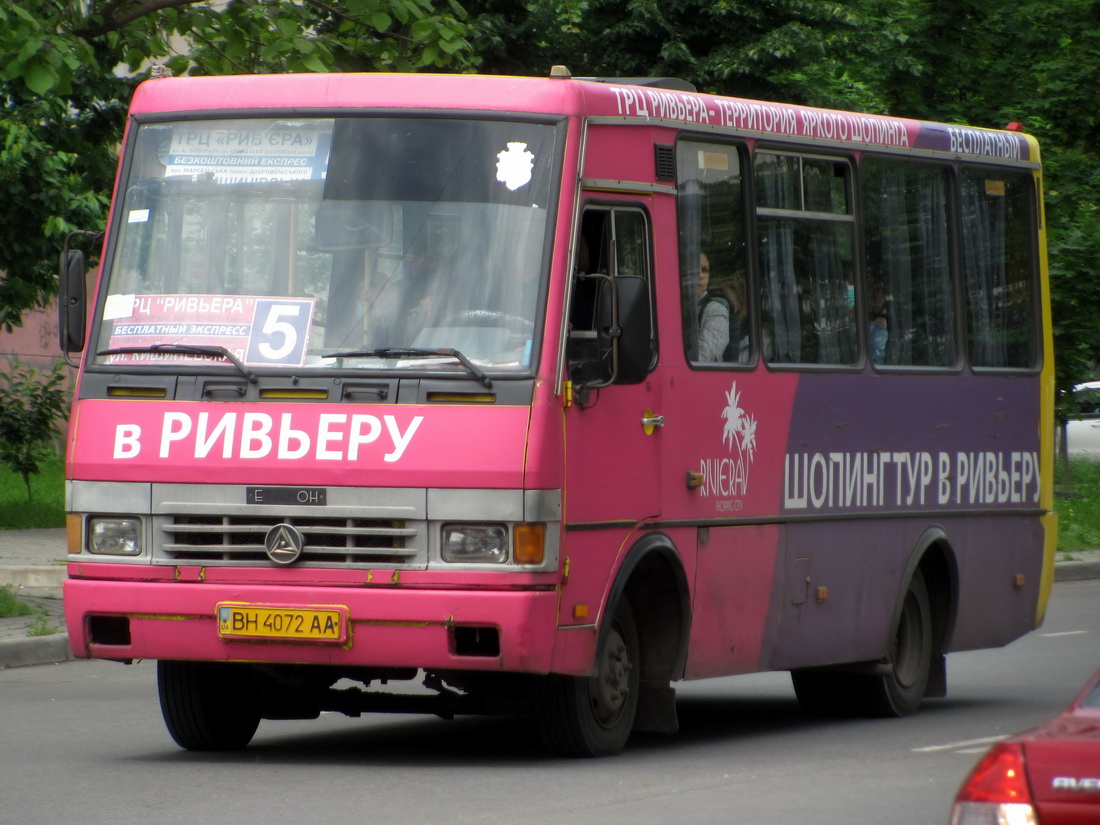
x: 605, y: 100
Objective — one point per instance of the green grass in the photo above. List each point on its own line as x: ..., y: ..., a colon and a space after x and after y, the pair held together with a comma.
x: 42, y: 626
x: 47, y: 509
x: 1078, y: 506
x: 47, y: 505
x: 10, y: 605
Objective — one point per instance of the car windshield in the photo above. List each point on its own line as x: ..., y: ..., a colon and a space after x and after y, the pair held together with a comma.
x: 289, y: 241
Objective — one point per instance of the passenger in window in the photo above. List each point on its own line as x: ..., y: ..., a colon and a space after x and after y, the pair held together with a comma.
x: 738, y: 347
x: 714, y: 316
x: 878, y: 330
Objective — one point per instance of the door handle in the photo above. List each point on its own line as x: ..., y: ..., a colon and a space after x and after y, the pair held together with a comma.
x: 650, y: 421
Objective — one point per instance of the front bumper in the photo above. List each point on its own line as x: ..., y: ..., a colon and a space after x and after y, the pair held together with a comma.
x: 389, y: 627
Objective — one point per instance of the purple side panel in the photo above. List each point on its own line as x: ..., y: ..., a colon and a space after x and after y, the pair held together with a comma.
x: 877, y: 471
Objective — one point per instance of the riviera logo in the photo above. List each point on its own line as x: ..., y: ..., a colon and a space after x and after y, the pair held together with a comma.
x: 727, y: 478
x: 740, y: 429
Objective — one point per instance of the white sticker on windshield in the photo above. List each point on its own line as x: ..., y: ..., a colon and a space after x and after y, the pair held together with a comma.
x: 118, y: 306
x: 138, y: 216
x: 248, y: 152
x: 514, y: 166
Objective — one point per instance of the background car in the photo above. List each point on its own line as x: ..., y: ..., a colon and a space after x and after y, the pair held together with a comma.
x: 1082, y: 432
x: 1048, y: 775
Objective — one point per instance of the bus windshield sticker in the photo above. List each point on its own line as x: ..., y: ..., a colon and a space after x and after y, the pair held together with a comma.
x: 515, y: 166
x: 243, y: 152
x: 260, y: 331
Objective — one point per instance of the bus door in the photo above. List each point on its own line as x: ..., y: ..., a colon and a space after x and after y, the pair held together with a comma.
x: 613, y: 465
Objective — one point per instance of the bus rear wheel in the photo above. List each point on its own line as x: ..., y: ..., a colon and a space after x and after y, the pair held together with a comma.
x: 208, y: 706
x: 585, y: 716
x: 897, y: 691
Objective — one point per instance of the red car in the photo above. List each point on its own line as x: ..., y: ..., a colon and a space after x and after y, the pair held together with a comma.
x: 1049, y: 775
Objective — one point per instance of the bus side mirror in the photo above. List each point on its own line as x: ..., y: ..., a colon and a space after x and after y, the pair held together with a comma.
x: 612, y: 341
x: 71, y: 314
x: 635, y: 354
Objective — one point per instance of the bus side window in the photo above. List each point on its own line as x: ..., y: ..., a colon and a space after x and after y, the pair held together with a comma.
x: 806, y: 229
x: 999, y: 267
x: 711, y: 215
x: 910, y: 307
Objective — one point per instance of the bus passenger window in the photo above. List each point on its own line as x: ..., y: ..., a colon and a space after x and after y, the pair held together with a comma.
x: 716, y: 317
x: 806, y: 238
x: 999, y: 264
x: 910, y: 304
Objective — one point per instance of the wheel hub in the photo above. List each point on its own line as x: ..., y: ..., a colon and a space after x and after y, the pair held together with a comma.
x: 610, y: 687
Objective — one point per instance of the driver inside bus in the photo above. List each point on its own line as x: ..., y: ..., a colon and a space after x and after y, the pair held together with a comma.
x: 399, y: 308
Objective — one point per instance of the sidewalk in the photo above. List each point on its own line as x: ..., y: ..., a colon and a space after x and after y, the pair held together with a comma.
x: 32, y: 563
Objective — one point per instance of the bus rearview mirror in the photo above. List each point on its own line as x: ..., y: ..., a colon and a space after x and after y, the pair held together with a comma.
x: 71, y: 314
x: 624, y: 331
x: 635, y: 329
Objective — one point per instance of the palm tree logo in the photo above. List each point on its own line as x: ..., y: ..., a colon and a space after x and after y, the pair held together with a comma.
x: 734, y: 416
x: 740, y: 429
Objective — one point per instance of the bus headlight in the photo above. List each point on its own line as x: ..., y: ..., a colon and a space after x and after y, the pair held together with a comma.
x: 475, y: 543
x: 114, y: 536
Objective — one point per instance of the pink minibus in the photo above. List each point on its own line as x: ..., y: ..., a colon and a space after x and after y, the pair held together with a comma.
x: 540, y: 395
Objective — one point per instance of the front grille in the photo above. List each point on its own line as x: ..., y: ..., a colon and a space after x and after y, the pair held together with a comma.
x: 216, y: 525
x: 338, y: 541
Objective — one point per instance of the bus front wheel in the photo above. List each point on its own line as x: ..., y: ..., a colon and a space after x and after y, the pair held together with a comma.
x: 584, y: 716
x: 897, y: 686
x: 208, y: 706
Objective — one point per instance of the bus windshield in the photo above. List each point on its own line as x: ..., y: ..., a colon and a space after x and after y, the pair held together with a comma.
x: 338, y: 243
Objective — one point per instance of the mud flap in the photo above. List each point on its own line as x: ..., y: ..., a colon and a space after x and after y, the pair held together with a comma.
x: 656, y: 709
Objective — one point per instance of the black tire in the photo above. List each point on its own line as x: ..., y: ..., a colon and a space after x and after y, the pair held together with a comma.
x: 910, y: 656
x: 208, y: 706
x: 586, y: 716
x: 896, y: 693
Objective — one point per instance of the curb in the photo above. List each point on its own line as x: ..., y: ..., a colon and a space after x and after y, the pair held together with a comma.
x: 33, y: 575
x: 1072, y: 571
x: 35, y: 650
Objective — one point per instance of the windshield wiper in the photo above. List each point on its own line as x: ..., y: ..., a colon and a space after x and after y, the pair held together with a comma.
x: 414, y: 352
x: 188, y: 349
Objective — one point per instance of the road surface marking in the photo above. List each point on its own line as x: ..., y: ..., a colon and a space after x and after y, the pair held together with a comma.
x: 962, y: 746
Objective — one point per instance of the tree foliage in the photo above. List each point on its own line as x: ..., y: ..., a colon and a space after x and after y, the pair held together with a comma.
x: 981, y: 62
x: 68, y: 68
x: 32, y: 405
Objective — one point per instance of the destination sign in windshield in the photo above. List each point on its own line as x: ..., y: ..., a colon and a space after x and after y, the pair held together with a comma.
x: 249, y: 151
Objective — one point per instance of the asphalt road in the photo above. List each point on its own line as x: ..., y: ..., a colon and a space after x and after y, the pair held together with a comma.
x: 84, y: 742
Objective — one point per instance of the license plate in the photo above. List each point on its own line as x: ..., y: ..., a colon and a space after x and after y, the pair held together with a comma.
x: 314, y: 496
x: 328, y: 623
